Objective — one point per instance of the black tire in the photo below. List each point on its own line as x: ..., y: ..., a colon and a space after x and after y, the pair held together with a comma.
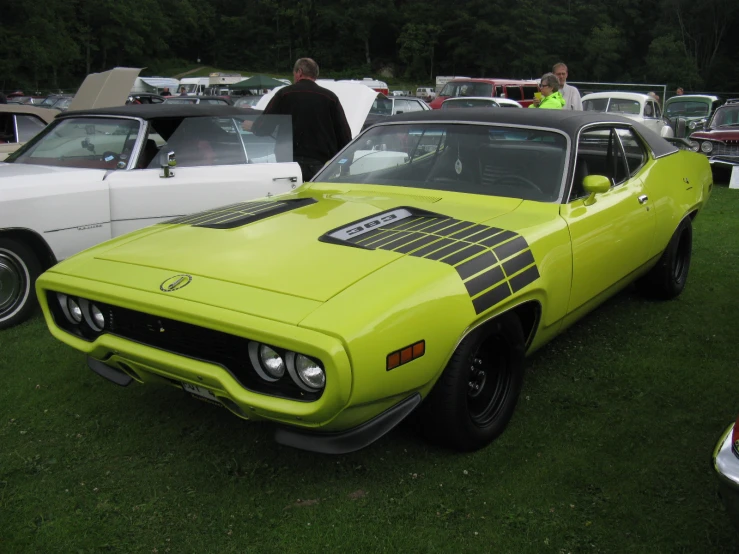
x: 667, y: 279
x: 19, y: 269
x: 476, y: 395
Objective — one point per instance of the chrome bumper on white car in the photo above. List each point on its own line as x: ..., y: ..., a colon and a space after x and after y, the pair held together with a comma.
x: 726, y: 464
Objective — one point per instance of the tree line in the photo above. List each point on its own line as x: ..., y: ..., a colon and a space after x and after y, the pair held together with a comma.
x: 53, y: 44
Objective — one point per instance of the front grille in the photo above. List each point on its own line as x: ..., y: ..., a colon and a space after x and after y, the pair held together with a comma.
x: 729, y: 148
x: 201, y: 343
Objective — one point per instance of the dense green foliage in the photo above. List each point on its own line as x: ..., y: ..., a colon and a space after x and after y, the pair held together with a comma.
x: 54, y: 43
x: 609, y: 450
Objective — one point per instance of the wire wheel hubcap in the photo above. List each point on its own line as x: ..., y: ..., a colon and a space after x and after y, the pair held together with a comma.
x: 13, y: 282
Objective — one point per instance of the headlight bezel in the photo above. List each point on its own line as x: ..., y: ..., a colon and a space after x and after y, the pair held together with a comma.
x: 296, y: 376
x: 706, y: 147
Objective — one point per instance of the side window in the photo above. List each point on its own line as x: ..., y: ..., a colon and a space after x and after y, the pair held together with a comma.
x: 528, y: 91
x: 499, y: 91
x: 401, y: 106
x: 599, y: 152
x: 513, y: 92
x: 636, y: 154
x: 28, y: 127
x: 657, y: 111
x: 7, y: 128
x: 414, y: 106
x: 649, y: 109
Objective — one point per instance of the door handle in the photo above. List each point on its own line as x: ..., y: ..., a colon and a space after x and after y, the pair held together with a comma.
x: 643, y: 198
x: 291, y: 179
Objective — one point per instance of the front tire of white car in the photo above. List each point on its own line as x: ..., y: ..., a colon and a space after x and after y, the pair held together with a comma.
x: 19, y: 269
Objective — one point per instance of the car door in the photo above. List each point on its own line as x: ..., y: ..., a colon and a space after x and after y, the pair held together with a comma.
x: 613, y: 236
x: 217, y: 163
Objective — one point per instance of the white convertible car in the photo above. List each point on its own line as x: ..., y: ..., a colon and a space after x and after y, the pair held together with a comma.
x: 639, y: 107
x: 97, y: 174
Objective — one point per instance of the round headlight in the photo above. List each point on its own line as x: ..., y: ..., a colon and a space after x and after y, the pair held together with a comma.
x: 97, y: 316
x: 694, y: 146
x: 74, y: 310
x: 692, y: 125
x: 706, y: 147
x: 266, y: 361
x: 271, y: 361
x: 310, y: 372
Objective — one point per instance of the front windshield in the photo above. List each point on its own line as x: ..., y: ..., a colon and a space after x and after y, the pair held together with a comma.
x: 687, y: 108
x: 190, y: 88
x: 726, y: 117
x: 468, y: 103
x: 466, y: 88
x: 382, y: 106
x: 82, y: 142
x: 476, y: 159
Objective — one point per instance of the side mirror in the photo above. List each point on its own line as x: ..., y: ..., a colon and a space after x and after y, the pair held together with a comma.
x: 167, y: 162
x: 595, y: 184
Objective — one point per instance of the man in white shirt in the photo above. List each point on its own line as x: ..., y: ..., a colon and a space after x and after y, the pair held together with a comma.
x: 570, y: 93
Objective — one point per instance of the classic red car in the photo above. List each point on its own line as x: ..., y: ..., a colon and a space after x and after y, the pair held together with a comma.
x: 720, y: 138
x: 520, y: 91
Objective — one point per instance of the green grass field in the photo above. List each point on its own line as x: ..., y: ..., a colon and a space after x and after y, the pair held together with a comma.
x: 609, y: 450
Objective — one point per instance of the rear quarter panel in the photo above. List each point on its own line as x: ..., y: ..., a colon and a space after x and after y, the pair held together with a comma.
x: 678, y: 185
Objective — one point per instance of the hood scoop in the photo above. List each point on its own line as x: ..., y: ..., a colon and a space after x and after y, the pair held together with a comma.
x: 238, y: 215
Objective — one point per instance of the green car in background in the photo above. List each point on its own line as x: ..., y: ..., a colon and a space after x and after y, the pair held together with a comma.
x: 694, y: 109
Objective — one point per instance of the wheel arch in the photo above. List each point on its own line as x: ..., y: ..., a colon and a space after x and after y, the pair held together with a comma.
x: 528, y: 313
x: 35, y: 242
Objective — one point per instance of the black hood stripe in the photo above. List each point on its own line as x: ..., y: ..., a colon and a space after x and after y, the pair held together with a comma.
x: 237, y: 215
x: 492, y: 263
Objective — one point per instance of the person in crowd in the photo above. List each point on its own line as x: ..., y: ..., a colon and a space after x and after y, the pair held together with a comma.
x: 679, y: 91
x: 551, y: 98
x: 654, y: 96
x: 166, y: 92
x: 571, y: 95
x: 183, y: 91
x: 319, y: 125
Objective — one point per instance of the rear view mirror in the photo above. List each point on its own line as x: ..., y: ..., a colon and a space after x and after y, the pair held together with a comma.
x: 595, y: 184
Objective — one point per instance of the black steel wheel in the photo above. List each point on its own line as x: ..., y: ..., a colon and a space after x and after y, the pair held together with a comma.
x: 476, y: 395
x: 667, y: 279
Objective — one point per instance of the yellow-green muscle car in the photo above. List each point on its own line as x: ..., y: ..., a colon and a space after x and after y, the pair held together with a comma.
x: 415, y: 271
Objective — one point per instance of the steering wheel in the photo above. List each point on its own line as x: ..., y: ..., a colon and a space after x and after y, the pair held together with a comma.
x: 515, y: 180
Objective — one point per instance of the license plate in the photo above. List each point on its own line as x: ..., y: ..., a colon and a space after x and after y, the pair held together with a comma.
x: 200, y: 393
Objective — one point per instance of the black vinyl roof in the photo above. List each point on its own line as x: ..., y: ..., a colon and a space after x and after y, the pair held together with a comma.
x: 568, y: 121
x: 156, y: 111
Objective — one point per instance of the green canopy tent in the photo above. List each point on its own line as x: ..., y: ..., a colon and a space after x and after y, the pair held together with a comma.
x: 257, y: 82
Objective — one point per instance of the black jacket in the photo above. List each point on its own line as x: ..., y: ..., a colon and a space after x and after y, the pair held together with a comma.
x: 319, y: 125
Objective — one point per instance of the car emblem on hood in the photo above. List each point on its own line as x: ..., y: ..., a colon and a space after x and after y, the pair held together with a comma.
x: 175, y: 283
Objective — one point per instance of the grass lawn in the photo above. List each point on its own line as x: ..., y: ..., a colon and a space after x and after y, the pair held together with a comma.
x: 609, y: 450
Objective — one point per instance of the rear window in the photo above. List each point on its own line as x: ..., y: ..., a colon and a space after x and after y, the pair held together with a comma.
x: 690, y: 108
x: 466, y: 88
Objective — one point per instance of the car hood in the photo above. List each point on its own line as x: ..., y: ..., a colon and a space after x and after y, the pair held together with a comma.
x: 17, y: 176
x: 717, y: 134
x: 106, y: 89
x: 283, y: 244
x: 355, y: 98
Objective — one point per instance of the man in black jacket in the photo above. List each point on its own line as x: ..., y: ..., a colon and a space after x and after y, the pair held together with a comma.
x: 319, y: 125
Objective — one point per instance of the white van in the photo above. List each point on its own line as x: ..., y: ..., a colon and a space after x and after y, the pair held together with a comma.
x: 195, y: 86
x: 426, y: 93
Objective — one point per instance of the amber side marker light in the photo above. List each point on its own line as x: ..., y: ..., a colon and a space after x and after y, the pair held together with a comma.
x: 405, y: 355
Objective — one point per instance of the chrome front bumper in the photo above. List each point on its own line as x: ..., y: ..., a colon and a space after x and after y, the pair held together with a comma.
x: 726, y: 464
